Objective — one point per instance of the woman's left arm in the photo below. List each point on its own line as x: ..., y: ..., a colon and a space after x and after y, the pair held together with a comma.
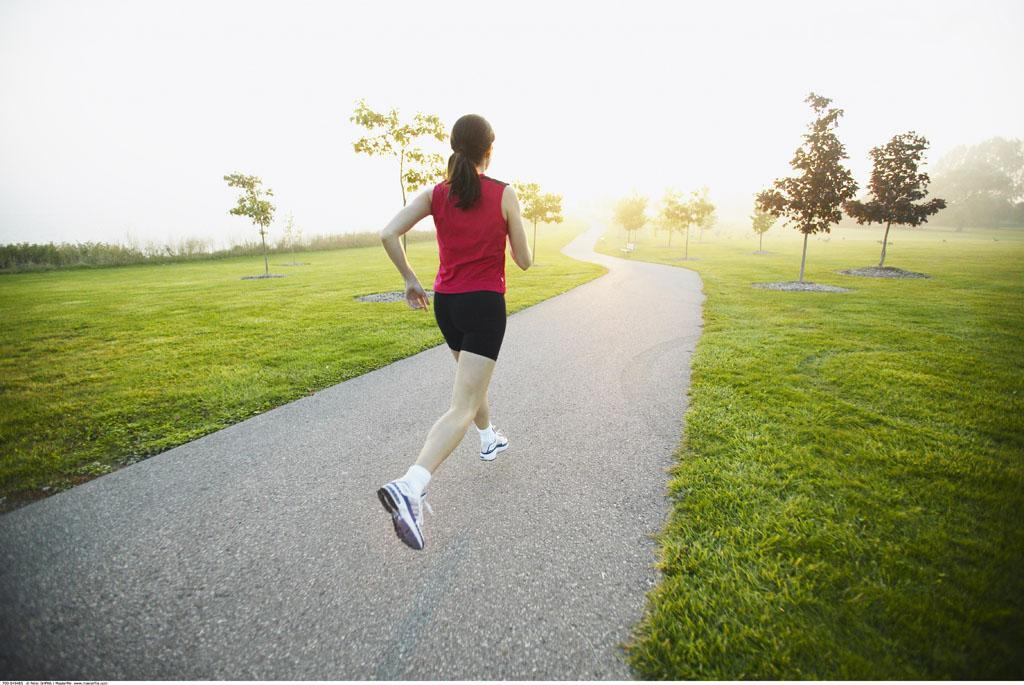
x: 403, y: 222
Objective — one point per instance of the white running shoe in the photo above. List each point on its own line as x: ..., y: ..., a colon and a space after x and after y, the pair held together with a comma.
x: 406, y: 511
x: 489, y: 450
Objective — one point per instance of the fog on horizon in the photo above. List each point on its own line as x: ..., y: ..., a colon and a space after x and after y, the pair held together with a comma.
x: 120, y: 119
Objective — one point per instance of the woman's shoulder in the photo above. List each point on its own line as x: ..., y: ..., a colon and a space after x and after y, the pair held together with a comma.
x: 492, y: 180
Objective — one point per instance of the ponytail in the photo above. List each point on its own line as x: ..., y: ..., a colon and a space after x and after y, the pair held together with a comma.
x: 464, y: 181
x: 471, y: 139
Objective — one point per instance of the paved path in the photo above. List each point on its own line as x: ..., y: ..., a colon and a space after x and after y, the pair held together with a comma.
x: 261, y: 551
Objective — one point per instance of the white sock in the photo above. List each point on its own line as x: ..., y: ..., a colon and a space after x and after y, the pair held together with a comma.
x: 487, y: 434
x: 418, y: 477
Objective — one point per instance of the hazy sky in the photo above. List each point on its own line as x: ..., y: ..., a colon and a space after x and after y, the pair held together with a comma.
x: 123, y: 117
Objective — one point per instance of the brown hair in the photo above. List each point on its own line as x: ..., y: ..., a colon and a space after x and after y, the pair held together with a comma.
x: 471, y: 138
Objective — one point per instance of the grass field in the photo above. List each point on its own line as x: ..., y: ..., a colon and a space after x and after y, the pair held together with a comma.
x: 100, y: 368
x: 849, y: 494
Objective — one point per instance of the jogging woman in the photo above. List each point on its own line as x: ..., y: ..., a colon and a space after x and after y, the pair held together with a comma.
x: 473, y: 214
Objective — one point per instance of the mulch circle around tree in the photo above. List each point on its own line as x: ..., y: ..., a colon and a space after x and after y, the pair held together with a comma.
x: 760, y: 252
x: 805, y: 287
x: 686, y: 259
x: 882, y: 272
x: 395, y: 296
x: 250, y: 278
x: 293, y: 264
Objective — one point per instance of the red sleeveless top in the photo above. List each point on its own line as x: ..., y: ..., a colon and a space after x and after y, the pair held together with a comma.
x: 470, y: 242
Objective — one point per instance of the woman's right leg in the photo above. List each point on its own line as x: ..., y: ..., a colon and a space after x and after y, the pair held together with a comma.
x: 471, y: 380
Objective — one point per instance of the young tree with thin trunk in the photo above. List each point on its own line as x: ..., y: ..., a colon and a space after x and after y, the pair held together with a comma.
x: 812, y: 200
x: 702, y: 214
x: 630, y: 214
x: 252, y: 203
x: 545, y: 208
x: 896, y: 187
x: 762, y: 221
x: 394, y: 138
x: 658, y: 224
x: 675, y: 213
x: 708, y: 222
x: 292, y: 235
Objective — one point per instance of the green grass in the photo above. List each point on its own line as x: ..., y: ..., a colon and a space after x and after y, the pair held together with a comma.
x: 848, y: 501
x: 100, y: 368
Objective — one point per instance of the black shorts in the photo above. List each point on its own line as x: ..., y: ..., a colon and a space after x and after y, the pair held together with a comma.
x: 473, y: 321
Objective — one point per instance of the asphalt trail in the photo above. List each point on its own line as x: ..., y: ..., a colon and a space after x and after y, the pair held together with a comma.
x: 261, y: 551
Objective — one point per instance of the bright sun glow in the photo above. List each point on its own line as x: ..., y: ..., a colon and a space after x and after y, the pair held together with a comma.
x: 121, y: 118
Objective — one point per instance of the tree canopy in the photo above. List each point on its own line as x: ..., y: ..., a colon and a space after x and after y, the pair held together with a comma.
x: 390, y: 136
x: 630, y: 212
x: 253, y: 203
x: 537, y: 207
x: 675, y: 214
x: 812, y: 199
x: 983, y: 183
x: 897, y: 187
x: 678, y: 214
x: 762, y: 220
x: 702, y: 212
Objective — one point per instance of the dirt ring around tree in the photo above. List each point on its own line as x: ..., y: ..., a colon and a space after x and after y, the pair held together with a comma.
x: 253, y: 278
x: 394, y: 296
x: 882, y: 272
x: 802, y: 287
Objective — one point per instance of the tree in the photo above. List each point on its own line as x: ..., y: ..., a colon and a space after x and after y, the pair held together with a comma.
x: 895, y: 186
x: 762, y: 221
x: 393, y: 138
x: 675, y: 213
x: 708, y: 222
x: 538, y: 207
x: 658, y: 223
x: 292, y: 235
x: 253, y: 204
x: 702, y: 213
x: 812, y: 200
x: 679, y: 215
x: 982, y: 182
x: 630, y: 214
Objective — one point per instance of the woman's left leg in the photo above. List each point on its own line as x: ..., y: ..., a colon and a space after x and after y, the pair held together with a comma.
x: 471, y: 380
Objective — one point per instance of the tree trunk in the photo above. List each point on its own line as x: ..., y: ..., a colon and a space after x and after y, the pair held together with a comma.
x: 266, y: 260
x: 670, y: 232
x: 535, y: 240
x: 803, y: 259
x: 885, y: 242
x: 686, y: 250
x: 401, y: 182
x: 760, y: 242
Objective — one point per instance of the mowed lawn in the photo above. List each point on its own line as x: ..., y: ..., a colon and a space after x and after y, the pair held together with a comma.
x: 848, y: 501
x: 102, y: 367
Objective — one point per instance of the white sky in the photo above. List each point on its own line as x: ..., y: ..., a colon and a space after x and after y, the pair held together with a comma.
x: 123, y: 117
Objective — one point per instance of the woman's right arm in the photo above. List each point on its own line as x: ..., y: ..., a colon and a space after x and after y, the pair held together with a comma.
x: 516, y: 233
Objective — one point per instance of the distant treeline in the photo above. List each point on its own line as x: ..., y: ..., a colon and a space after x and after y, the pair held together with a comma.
x: 19, y: 257
x: 983, y: 184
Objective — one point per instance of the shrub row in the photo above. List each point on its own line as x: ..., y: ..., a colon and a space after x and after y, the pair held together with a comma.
x: 18, y: 257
